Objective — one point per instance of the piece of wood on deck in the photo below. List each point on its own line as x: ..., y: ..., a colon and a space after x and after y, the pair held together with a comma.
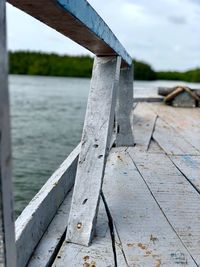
x: 177, y: 198
x: 171, y: 141
x: 184, y: 120
x: 143, y: 125
x: 96, y: 138
x: 190, y: 167
x: 99, y: 254
x: 7, y: 235
x: 147, y: 238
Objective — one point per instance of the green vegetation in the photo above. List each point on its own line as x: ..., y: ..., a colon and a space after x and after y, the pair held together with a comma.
x: 35, y: 63
x: 143, y: 71
x: 188, y: 76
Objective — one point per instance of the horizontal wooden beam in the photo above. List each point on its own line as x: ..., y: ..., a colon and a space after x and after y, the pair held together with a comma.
x: 34, y: 220
x: 77, y: 20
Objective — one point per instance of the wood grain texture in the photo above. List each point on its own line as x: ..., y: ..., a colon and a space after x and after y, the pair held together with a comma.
x: 146, y: 237
x: 154, y: 207
x: 184, y: 120
x: 53, y: 237
x: 99, y: 254
x: 96, y: 138
x: 179, y: 201
x: 7, y: 235
x: 190, y: 167
x: 124, y: 136
x: 143, y: 125
x: 171, y: 141
x: 79, y: 21
x: 35, y: 218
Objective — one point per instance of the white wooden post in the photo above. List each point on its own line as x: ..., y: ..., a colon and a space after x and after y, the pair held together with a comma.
x: 124, y: 135
x: 95, y: 143
x: 7, y: 236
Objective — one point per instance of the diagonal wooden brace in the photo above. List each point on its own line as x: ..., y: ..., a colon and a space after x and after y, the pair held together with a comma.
x: 97, y: 131
x: 124, y: 134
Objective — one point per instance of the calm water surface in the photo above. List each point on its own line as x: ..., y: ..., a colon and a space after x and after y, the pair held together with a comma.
x: 47, y: 118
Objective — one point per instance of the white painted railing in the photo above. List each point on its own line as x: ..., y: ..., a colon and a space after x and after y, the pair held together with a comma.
x: 111, y: 96
x: 35, y: 218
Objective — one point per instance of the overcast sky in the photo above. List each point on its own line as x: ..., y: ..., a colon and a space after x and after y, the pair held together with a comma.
x: 164, y: 33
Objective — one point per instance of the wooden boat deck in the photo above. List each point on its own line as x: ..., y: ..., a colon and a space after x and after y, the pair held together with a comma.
x: 152, y: 191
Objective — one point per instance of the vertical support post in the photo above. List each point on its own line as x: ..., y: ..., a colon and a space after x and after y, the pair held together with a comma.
x: 7, y: 236
x: 95, y: 143
x: 124, y: 135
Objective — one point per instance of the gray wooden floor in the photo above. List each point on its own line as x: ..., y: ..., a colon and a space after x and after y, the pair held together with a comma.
x: 153, y: 194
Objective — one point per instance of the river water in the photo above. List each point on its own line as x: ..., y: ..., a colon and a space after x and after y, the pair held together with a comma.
x: 46, y: 120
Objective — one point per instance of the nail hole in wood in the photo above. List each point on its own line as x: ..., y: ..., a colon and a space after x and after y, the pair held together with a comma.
x: 96, y: 145
x: 84, y: 201
x: 100, y: 156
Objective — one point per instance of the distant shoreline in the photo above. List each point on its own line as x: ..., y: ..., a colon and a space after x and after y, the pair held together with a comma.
x: 43, y: 64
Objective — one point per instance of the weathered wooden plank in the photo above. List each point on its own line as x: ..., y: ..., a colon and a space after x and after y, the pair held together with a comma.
x: 7, y: 235
x: 146, y: 237
x: 80, y: 22
x: 147, y: 99
x: 184, y: 120
x: 190, y: 167
x: 124, y: 107
x: 96, y: 138
x: 143, y: 125
x: 34, y: 220
x: 170, y: 140
x: 179, y: 201
x: 51, y: 241
x: 184, y: 117
x: 99, y: 254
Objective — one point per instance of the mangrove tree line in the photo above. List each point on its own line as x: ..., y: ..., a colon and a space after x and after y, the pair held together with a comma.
x: 36, y: 63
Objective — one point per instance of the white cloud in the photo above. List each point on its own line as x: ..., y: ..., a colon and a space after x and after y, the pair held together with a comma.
x: 164, y: 33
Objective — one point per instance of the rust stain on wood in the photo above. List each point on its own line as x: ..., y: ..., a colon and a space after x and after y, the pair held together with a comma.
x: 120, y: 158
x: 158, y: 263
x: 142, y: 246
x: 87, y: 263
